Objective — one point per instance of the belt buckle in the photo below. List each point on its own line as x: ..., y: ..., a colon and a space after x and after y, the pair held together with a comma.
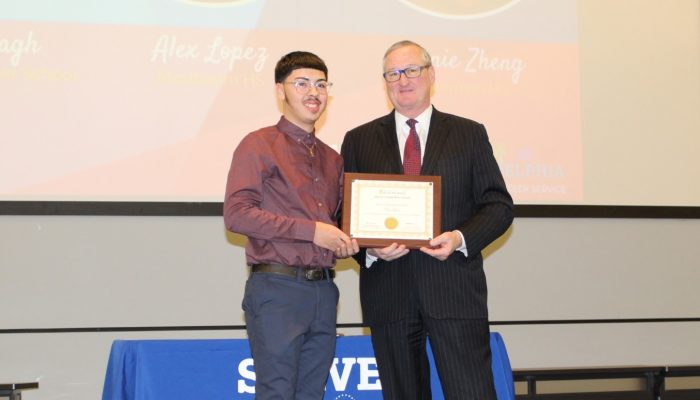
x: 313, y: 274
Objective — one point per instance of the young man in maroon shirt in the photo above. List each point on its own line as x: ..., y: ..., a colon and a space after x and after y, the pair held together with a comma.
x: 284, y: 192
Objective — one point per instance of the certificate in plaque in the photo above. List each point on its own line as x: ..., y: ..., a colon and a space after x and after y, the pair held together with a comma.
x: 381, y: 209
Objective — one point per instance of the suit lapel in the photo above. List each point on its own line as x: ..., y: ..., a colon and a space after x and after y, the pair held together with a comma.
x: 389, y: 141
x: 437, y: 134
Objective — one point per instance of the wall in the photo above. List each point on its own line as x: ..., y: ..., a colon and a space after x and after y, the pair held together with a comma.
x: 103, y: 271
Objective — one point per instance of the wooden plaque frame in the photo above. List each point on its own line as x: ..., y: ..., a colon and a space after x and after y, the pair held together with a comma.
x: 351, y: 177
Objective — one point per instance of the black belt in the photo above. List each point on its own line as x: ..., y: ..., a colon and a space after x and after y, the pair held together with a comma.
x: 308, y: 273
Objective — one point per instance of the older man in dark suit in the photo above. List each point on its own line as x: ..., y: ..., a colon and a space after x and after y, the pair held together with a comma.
x: 437, y: 292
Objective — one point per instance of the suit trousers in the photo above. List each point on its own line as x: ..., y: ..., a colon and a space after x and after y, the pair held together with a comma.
x: 461, y: 350
x: 291, y: 325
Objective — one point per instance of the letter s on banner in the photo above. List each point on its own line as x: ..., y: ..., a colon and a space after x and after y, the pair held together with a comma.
x: 245, y: 369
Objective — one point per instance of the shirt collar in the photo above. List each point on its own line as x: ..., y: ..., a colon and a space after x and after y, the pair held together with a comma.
x: 422, y: 126
x: 293, y: 131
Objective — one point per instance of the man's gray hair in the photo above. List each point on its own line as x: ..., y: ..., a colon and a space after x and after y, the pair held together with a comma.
x: 427, y: 60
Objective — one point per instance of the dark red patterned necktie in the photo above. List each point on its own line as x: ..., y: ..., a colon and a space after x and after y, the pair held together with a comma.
x: 411, y: 151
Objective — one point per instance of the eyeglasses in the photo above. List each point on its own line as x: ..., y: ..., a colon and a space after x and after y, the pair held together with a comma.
x: 303, y: 85
x: 410, y: 72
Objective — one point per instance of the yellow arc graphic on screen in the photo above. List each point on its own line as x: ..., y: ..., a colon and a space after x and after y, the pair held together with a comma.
x: 456, y: 9
x: 215, y: 3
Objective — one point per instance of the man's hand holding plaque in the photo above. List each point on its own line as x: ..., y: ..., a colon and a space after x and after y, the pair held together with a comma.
x: 389, y: 253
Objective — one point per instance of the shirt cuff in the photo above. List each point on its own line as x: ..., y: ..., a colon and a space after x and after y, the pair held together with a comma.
x: 463, y: 247
x: 305, y: 229
x: 369, y: 260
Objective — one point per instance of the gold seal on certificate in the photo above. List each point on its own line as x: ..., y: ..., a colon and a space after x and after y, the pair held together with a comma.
x: 381, y: 209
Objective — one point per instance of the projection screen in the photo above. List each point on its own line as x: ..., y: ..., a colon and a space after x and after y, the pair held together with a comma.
x: 591, y: 102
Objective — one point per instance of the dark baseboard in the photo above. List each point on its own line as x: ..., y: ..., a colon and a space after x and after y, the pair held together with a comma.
x: 159, y: 208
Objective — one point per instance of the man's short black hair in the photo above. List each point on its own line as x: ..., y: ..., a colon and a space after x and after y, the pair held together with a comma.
x: 297, y: 60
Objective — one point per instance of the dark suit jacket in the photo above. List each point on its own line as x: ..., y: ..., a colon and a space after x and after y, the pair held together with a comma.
x: 474, y: 201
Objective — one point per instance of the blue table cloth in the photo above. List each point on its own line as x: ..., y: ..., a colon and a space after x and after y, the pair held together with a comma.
x: 223, y: 369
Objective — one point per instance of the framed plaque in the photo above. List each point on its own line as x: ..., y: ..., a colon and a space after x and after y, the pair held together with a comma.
x: 381, y: 209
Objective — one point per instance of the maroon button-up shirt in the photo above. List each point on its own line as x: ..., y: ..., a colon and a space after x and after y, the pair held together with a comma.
x: 280, y: 183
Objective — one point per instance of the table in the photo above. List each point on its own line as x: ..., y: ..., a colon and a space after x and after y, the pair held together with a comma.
x: 223, y: 369
x: 14, y: 390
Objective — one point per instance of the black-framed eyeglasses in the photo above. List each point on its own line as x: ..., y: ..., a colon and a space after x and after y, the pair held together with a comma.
x: 303, y: 85
x: 413, y: 71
